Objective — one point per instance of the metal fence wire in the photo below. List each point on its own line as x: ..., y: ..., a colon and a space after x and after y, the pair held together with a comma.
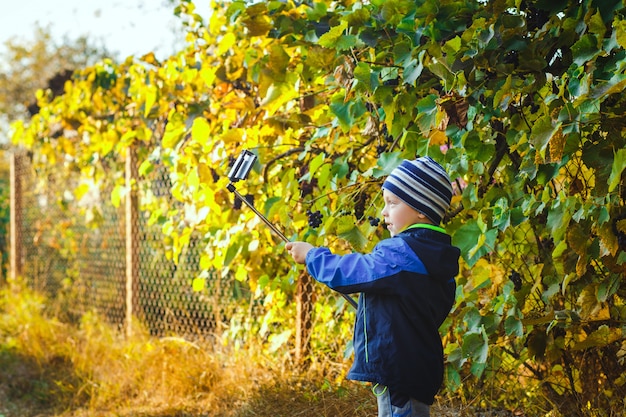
x: 82, y: 266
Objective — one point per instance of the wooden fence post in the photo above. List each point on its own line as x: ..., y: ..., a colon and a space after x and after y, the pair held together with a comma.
x: 305, y: 300
x: 132, y: 261
x: 16, y: 260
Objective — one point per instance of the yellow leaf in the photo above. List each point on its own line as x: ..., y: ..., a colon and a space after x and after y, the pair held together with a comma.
x: 226, y: 43
x: 117, y: 195
x: 209, y: 200
x: 588, y: 302
x: 173, y: 131
x: 232, y: 136
x: 151, y: 96
x: 18, y: 134
x: 150, y: 58
x: 581, y: 265
x: 200, y: 130
x: 208, y: 76
x: 438, y: 137
x: 620, y: 30
x: 81, y: 190
x: 277, y: 95
x: 198, y: 284
x: 621, y: 225
x: 193, y: 180
x: 242, y: 274
x: 599, y: 338
x: 206, y: 261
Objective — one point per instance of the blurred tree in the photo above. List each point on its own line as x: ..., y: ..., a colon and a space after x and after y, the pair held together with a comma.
x: 27, y: 66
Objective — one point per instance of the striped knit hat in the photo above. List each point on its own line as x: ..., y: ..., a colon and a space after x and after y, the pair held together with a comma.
x: 422, y: 184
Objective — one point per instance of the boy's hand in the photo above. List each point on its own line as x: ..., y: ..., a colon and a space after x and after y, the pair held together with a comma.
x: 298, y: 250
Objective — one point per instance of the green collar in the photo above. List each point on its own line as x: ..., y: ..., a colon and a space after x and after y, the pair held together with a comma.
x: 426, y: 226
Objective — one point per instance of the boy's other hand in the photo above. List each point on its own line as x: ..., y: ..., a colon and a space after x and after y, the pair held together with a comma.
x: 298, y: 250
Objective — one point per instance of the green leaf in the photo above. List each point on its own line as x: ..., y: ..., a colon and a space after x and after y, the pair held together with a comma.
x: 316, y: 163
x: 472, y: 319
x: 619, y: 163
x: 476, y: 148
x: 271, y: 203
x: 443, y: 72
x: 348, y: 230
x: 513, y: 326
x: 342, y: 109
x: 364, y: 74
x: 501, y: 214
x: 233, y: 250
x: 318, y: 11
x: 333, y: 36
x: 476, y: 346
x: 585, y: 49
x: 543, y: 130
x: 473, y: 242
x: 558, y: 219
x: 386, y: 163
x: 609, y: 287
x: 427, y: 113
x: 346, y: 42
x: 452, y: 378
x: 413, y: 69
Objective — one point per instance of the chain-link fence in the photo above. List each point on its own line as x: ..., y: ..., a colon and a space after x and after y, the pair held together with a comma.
x: 118, y: 270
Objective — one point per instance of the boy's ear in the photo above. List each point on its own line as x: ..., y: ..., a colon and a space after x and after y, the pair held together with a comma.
x: 423, y: 217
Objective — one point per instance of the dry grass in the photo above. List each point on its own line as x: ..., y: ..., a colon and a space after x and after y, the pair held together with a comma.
x: 53, y: 369
x: 50, y: 368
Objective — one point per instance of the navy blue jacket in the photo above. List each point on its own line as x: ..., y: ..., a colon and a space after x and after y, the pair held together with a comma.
x: 407, y: 289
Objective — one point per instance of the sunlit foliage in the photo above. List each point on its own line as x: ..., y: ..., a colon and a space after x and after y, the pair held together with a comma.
x: 521, y: 101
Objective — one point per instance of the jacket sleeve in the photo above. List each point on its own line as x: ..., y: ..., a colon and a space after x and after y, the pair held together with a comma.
x: 358, y: 272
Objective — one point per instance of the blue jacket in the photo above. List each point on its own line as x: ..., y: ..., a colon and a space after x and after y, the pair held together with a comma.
x: 407, y: 289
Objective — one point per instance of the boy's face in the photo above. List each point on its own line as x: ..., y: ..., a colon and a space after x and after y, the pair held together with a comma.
x: 398, y: 215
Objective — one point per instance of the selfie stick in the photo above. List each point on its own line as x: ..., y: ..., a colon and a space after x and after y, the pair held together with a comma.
x: 240, y: 170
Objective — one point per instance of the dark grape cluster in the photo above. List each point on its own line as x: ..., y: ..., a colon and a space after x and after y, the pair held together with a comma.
x: 359, y: 205
x: 315, y: 218
x: 374, y: 221
x: 215, y: 175
x: 385, y: 133
x: 516, y: 279
x: 619, y: 230
x: 237, y: 204
x: 306, y: 187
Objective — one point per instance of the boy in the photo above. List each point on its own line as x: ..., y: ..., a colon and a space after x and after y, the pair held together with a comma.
x: 407, y: 289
